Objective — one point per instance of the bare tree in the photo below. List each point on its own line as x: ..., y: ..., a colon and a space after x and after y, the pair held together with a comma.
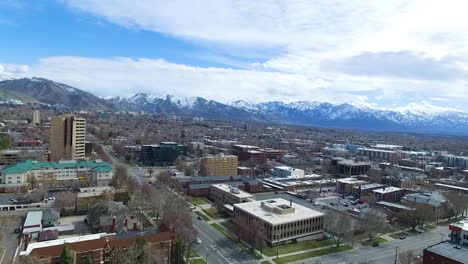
x: 374, y: 223
x: 65, y: 201
x: 406, y: 257
x: 120, y: 177
x: 459, y: 203
x: 338, y: 225
x: 150, y: 171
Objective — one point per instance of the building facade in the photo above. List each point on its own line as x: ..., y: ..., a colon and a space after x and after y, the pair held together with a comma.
x: 278, y: 219
x: 36, y: 118
x: 21, y: 173
x: 222, y: 194
x: 221, y: 165
x: 164, y: 153
x: 67, y: 138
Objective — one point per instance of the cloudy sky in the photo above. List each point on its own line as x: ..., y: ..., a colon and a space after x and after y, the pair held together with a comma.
x: 386, y: 54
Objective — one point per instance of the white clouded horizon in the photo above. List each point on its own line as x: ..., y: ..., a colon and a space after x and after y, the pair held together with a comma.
x: 375, y: 53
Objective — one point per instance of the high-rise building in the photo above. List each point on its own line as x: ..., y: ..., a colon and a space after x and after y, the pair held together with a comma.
x: 36, y: 117
x: 67, y: 138
x: 222, y: 165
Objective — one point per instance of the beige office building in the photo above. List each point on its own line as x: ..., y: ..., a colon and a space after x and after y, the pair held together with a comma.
x: 220, y: 165
x: 36, y: 117
x: 67, y: 138
x: 280, y: 220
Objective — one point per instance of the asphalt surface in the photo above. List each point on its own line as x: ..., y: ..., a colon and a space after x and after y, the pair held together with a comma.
x: 217, y: 247
x: 8, y: 238
x: 385, y: 253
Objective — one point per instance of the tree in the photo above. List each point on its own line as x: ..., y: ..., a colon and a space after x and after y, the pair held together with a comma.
x: 32, y: 180
x: 27, y: 260
x: 406, y: 257
x: 150, y: 171
x: 408, y: 218
x: 423, y: 213
x: 458, y: 202
x: 65, y: 201
x: 338, y: 225
x: 180, y: 223
x: 374, y: 223
x: 120, y: 178
x: 66, y: 257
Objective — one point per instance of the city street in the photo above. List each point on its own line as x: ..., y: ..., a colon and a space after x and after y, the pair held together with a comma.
x: 218, y: 248
x: 385, y: 253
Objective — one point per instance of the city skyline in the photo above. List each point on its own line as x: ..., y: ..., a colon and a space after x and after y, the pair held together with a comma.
x: 377, y: 54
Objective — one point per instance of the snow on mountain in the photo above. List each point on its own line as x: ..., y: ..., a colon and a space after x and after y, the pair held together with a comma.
x: 415, y: 117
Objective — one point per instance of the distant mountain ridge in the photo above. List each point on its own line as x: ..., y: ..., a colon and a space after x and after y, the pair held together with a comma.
x: 53, y: 93
x: 296, y: 113
x: 303, y: 113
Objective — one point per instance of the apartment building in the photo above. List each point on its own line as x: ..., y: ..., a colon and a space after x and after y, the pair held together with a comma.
x: 346, y: 185
x: 459, y: 233
x: 67, y: 138
x: 279, y: 219
x: 220, y: 165
x: 36, y: 119
x: 389, y: 194
x: 392, y: 156
x: 98, y: 172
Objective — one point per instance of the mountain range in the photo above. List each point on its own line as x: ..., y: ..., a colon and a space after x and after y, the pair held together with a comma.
x: 297, y: 113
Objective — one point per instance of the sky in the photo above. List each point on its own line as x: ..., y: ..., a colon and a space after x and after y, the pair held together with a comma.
x: 382, y: 54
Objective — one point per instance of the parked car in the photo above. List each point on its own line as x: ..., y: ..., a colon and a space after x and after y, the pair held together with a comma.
x: 402, y: 236
x: 198, y: 240
x: 375, y: 244
x: 199, y: 218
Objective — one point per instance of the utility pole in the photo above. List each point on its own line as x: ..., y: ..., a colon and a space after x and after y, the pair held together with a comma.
x: 396, y: 254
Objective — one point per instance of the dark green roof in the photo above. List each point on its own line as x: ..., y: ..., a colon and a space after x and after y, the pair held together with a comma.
x: 29, y: 165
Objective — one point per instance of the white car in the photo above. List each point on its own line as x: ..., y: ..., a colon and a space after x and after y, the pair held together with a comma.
x: 198, y: 240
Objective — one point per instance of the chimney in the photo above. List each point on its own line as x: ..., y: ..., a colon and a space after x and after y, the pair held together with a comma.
x: 135, y: 226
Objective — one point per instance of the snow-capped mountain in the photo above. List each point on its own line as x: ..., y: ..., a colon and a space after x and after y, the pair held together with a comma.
x: 412, y: 118
x: 422, y: 118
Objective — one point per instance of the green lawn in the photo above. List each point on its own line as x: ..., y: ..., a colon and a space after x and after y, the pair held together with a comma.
x: 235, y: 240
x: 265, y: 262
x: 194, y: 254
x: 312, y: 254
x: 299, y: 246
x: 215, y: 213
x: 198, y: 261
x: 428, y: 227
x: 199, y: 201
x: 370, y: 242
x: 202, y: 215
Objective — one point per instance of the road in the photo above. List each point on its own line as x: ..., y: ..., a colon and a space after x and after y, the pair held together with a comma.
x: 219, y: 248
x: 385, y: 253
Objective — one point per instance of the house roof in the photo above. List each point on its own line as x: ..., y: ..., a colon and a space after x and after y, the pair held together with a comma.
x: 28, y: 165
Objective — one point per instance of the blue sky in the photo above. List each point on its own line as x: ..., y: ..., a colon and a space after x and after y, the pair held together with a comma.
x: 404, y: 55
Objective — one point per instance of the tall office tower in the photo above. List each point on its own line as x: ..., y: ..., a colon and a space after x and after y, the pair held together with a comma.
x: 67, y: 138
x: 36, y: 117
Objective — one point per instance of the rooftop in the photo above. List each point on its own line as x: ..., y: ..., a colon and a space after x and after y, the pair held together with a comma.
x: 300, y: 212
x: 370, y: 186
x: 433, y: 198
x: 348, y: 162
x: 394, y: 205
x: 33, y: 218
x: 351, y: 181
x: 387, y: 190
x: 232, y: 190
x: 449, y: 250
x: 28, y: 165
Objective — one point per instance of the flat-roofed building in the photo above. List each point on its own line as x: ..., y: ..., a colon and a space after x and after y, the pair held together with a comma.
x: 67, y: 138
x: 389, y: 194
x: 446, y: 253
x: 392, y: 156
x: 366, y: 189
x: 348, y: 168
x: 459, y: 233
x: 222, y: 194
x: 220, y: 165
x: 280, y: 220
x: 345, y: 186
x: 285, y: 172
x: 33, y: 224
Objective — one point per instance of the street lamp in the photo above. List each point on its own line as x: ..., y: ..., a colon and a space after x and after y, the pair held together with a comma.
x: 396, y: 254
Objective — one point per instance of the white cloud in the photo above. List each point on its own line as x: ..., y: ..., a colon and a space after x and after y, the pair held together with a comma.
x: 427, y: 35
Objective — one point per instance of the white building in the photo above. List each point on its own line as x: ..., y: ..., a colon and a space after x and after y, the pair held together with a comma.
x: 279, y: 219
x: 287, y: 172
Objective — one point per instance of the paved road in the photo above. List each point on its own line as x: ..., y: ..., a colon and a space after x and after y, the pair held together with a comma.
x: 219, y: 248
x: 8, y: 239
x: 385, y: 253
